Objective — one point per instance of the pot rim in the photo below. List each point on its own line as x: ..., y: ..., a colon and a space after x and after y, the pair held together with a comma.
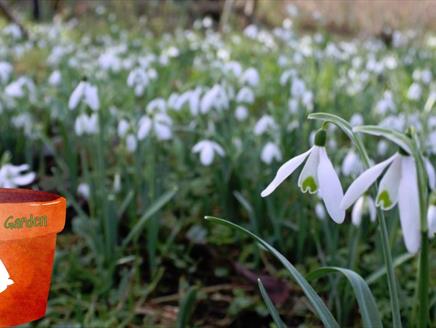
x: 26, y: 196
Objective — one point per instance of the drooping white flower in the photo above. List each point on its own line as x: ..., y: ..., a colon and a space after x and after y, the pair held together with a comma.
x: 214, y: 98
x: 356, y: 119
x: 5, y: 71
x: 241, y: 113
x: 86, y: 124
x: 351, y: 164
x: 87, y: 93
x: 17, y: 89
x: 270, y: 152
x: 160, y: 123
x: 365, y: 204
x: 414, y: 92
x: 55, y: 78
x: 131, y: 143
x: 264, y: 124
x: 398, y: 185
x: 84, y: 190
x: 318, y: 176
x: 156, y: 105
x: 386, y: 104
x: 139, y: 79
x: 207, y: 150
x: 123, y: 128
x: 245, y: 95
x: 320, y: 211
x: 250, y: 77
x: 12, y: 176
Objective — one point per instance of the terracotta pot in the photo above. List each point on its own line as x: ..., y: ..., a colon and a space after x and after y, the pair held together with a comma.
x: 29, y: 222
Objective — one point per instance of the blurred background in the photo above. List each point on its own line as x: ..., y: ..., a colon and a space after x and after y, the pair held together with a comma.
x: 149, y: 115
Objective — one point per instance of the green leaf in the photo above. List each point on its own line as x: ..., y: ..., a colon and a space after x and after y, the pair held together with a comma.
x: 186, y: 308
x: 397, y: 137
x: 365, y: 299
x: 271, y: 308
x: 320, y: 308
x: 154, y: 208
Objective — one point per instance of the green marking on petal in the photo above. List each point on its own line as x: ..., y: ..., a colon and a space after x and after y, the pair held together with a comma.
x: 384, y: 199
x: 309, y: 184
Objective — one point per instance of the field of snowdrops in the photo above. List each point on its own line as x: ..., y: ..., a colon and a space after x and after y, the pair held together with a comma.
x: 145, y: 134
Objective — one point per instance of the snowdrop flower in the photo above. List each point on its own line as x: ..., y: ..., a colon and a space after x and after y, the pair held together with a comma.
x: 398, y: 185
x: 318, y: 176
x: 382, y: 147
x: 250, y: 77
x: 386, y: 103
x: 5, y: 71
x: 270, y: 152
x: 131, y: 143
x: 16, y: 89
x: 123, y: 128
x: 156, y: 105
x: 55, y: 78
x: 356, y: 119
x: 215, y: 97
x: 351, y: 164
x: 87, y: 93
x: 86, y: 124
x: 320, y: 211
x: 160, y: 123
x: 139, y: 79
x: 12, y: 176
x: 265, y: 122
x: 241, y: 113
x: 365, y: 204
x: 84, y: 190
x: 245, y: 95
x: 414, y: 92
x: 207, y: 150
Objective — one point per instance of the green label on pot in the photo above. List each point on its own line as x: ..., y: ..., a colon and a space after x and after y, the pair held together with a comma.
x: 25, y: 222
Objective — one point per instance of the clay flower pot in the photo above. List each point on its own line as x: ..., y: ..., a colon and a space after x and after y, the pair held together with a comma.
x: 29, y: 222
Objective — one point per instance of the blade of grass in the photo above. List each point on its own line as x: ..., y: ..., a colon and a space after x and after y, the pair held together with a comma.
x: 154, y: 208
x: 270, y: 306
x: 365, y: 299
x: 320, y: 308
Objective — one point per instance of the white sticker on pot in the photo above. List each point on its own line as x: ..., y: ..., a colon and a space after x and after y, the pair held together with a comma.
x: 5, y: 280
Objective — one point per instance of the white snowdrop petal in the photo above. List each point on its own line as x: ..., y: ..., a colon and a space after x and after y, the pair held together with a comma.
x: 408, y: 204
x: 387, y: 196
x: 25, y: 179
x: 308, y: 179
x: 91, y: 97
x: 363, y: 182
x: 372, y: 209
x: 430, y: 173
x: 330, y: 188
x: 431, y: 221
x: 206, y: 155
x: 284, y: 171
x: 218, y: 149
x: 76, y: 95
x: 144, y: 127
x: 357, y: 212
